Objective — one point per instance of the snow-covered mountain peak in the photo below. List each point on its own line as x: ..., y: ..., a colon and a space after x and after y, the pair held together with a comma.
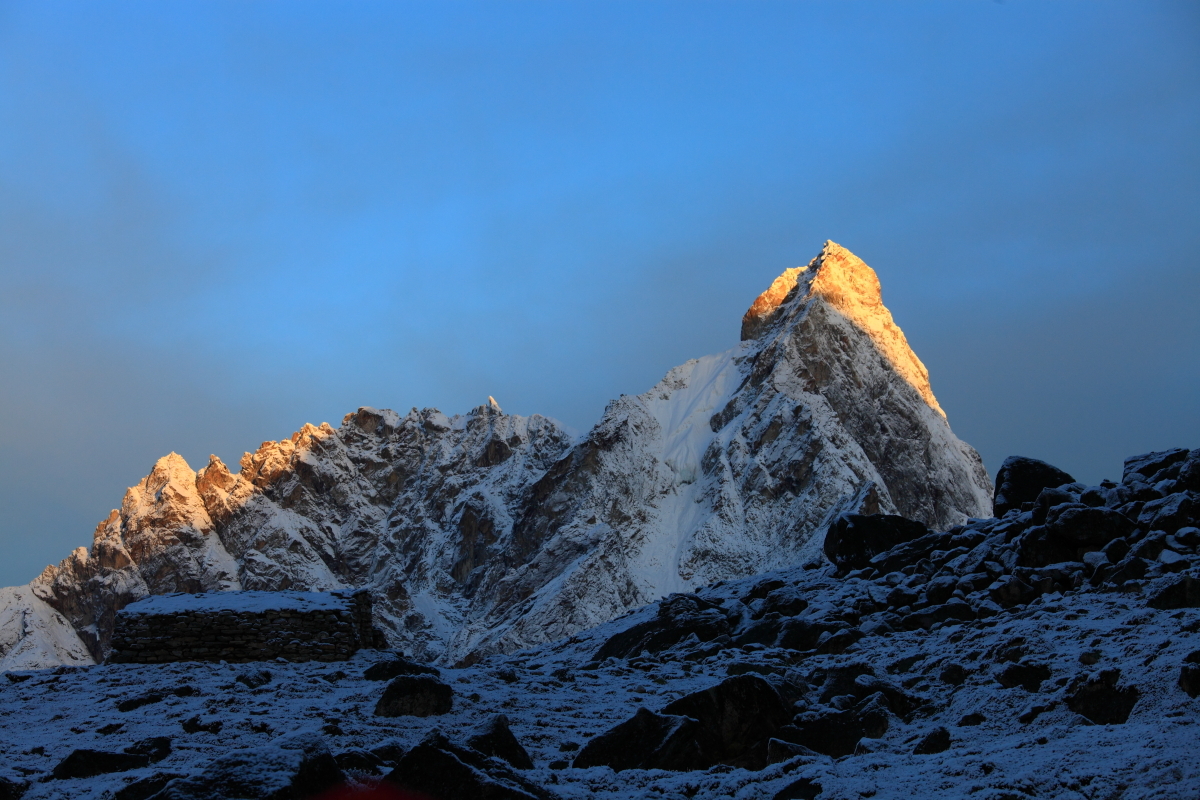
x: 486, y: 532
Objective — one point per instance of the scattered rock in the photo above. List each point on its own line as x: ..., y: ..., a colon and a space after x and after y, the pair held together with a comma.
x: 292, y: 768
x: 852, y: 540
x: 440, y: 768
x: 144, y: 699
x: 196, y: 725
x: 415, y: 696
x: 1026, y: 675
x: 12, y: 788
x: 974, y: 718
x: 1179, y: 591
x: 358, y: 760
x: 1100, y: 699
x: 837, y: 733
x: 156, y: 748
x: 88, y: 763
x: 1189, y: 679
x: 395, y: 667
x: 779, y: 751
x: 254, y: 679
x: 936, y: 741
x: 495, y: 738
x: 953, y: 674
x: 679, y: 616
x: 801, y: 789
x: 645, y: 741
x: 145, y: 788
x: 1021, y: 480
x: 734, y: 719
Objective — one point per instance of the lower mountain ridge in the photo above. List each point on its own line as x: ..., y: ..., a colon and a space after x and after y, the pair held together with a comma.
x: 1053, y: 652
x: 486, y: 533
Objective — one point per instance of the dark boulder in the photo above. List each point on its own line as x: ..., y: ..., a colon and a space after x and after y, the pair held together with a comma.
x: 645, y: 741
x: 443, y: 770
x: 1009, y: 591
x: 837, y: 733
x: 358, y: 760
x: 495, y: 738
x: 144, y: 699
x: 1168, y: 513
x: 1189, y: 472
x: 679, y: 616
x: 1021, y: 480
x: 953, y: 674
x: 88, y: 763
x: 927, y: 617
x: 254, y: 678
x: 197, y: 725
x: 734, y: 719
x: 787, y: 601
x: 1189, y: 679
x: 156, y: 748
x: 852, y: 540
x: 1027, y: 675
x: 974, y: 718
x: 1070, y: 531
x: 1178, y: 591
x: 799, y: 789
x: 395, y: 667
x: 1101, y: 700
x: 415, y: 696
x: 936, y: 741
x: 144, y: 788
x: 805, y: 634
x: 12, y: 788
x: 292, y: 768
x: 1147, y: 465
x: 910, y: 553
x: 779, y: 751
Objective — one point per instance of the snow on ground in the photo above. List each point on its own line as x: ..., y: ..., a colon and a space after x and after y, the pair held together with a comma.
x: 556, y: 698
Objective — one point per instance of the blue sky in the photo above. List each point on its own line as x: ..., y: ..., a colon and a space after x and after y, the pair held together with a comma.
x: 220, y: 221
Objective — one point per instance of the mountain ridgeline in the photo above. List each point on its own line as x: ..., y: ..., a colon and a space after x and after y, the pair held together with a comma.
x: 488, y: 532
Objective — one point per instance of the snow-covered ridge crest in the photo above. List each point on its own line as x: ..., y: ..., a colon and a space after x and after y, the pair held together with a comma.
x: 487, y: 532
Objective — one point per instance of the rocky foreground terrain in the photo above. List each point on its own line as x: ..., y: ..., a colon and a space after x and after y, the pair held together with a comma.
x: 1052, y: 651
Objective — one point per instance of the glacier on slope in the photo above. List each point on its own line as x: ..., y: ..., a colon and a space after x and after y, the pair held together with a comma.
x: 488, y: 532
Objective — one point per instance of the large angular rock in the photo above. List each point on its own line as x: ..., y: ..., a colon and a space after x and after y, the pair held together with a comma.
x: 837, y: 733
x: 440, y: 769
x: 415, y: 696
x: 295, y: 767
x: 679, y: 616
x: 854, y: 539
x: 495, y: 738
x: 1021, y: 480
x: 1146, y: 466
x: 86, y: 763
x: 1178, y: 591
x: 1101, y: 700
x: 734, y: 719
x: 645, y: 741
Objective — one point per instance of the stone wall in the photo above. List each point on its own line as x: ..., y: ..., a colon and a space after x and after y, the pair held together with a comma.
x: 243, y: 626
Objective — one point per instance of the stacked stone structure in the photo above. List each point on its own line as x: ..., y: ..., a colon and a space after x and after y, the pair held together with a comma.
x: 243, y: 626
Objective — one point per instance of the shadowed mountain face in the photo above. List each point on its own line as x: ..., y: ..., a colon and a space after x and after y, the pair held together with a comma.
x: 489, y: 532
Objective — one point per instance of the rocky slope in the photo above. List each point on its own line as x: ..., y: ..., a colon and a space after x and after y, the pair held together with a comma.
x: 1051, y: 653
x: 488, y: 532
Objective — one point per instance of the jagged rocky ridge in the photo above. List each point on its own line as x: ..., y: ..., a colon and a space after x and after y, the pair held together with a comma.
x: 488, y: 532
x: 1053, y: 652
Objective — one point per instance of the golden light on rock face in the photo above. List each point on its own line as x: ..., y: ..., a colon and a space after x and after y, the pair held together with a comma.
x: 850, y: 287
